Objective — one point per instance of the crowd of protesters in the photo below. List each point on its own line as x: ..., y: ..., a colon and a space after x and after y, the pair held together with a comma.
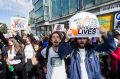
x: 24, y: 57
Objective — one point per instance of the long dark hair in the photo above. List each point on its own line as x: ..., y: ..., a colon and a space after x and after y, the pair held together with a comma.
x: 56, y: 32
x: 39, y: 43
x: 76, y: 46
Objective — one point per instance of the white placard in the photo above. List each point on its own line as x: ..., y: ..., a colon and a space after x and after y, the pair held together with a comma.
x: 18, y: 23
x: 83, y: 24
x: 59, y: 27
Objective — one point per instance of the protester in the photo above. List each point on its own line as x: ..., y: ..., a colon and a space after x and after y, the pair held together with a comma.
x: 15, y: 57
x: 37, y: 61
x: 84, y: 63
x: 3, y: 53
x: 115, y: 58
x: 55, y: 66
x: 29, y: 53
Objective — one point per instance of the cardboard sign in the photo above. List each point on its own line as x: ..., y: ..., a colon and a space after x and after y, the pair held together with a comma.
x: 83, y: 24
x: 59, y: 27
x: 18, y: 23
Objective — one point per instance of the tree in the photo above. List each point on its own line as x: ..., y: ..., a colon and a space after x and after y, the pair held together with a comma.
x: 3, y: 28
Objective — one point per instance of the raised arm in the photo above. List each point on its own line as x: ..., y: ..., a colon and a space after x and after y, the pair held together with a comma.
x: 108, y: 44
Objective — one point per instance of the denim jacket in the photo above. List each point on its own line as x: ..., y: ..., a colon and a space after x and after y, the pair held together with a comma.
x: 91, y: 61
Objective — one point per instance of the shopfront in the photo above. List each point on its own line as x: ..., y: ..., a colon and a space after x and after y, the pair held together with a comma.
x: 106, y: 21
x: 109, y: 17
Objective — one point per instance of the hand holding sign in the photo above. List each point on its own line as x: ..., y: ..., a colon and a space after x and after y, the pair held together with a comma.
x: 102, y: 31
x: 84, y: 24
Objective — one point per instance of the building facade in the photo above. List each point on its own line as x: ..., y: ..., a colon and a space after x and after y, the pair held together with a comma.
x: 106, y: 10
x: 59, y: 12
x: 32, y: 21
x: 40, y: 16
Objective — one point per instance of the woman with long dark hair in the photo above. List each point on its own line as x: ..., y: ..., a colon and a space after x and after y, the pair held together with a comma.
x: 38, y: 61
x: 29, y: 53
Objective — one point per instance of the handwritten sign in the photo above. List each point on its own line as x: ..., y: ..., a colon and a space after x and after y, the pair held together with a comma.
x: 83, y: 24
x: 59, y: 27
x: 19, y: 23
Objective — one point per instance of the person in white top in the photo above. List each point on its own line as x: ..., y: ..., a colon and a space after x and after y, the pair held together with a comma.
x: 29, y: 53
x: 55, y: 65
x: 15, y: 56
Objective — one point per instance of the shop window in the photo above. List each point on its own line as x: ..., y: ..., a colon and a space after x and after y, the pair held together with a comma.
x: 54, y: 8
x: 38, y: 4
x: 73, y: 6
x: 59, y: 8
x: 97, y: 2
x: 88, y: 3
x: 40, y: 12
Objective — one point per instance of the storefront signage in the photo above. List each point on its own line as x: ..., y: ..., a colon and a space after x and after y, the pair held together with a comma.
x: 110, y: 8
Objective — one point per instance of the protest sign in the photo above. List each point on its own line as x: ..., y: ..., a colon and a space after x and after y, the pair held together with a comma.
x: 18, y: 23
x: 83, y: 24
x: 59, y: 27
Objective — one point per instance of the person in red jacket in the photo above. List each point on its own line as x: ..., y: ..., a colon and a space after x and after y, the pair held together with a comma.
x: 115, y: 59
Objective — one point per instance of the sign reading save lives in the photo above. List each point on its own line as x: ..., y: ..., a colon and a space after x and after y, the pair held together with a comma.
x: 83, y: 24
